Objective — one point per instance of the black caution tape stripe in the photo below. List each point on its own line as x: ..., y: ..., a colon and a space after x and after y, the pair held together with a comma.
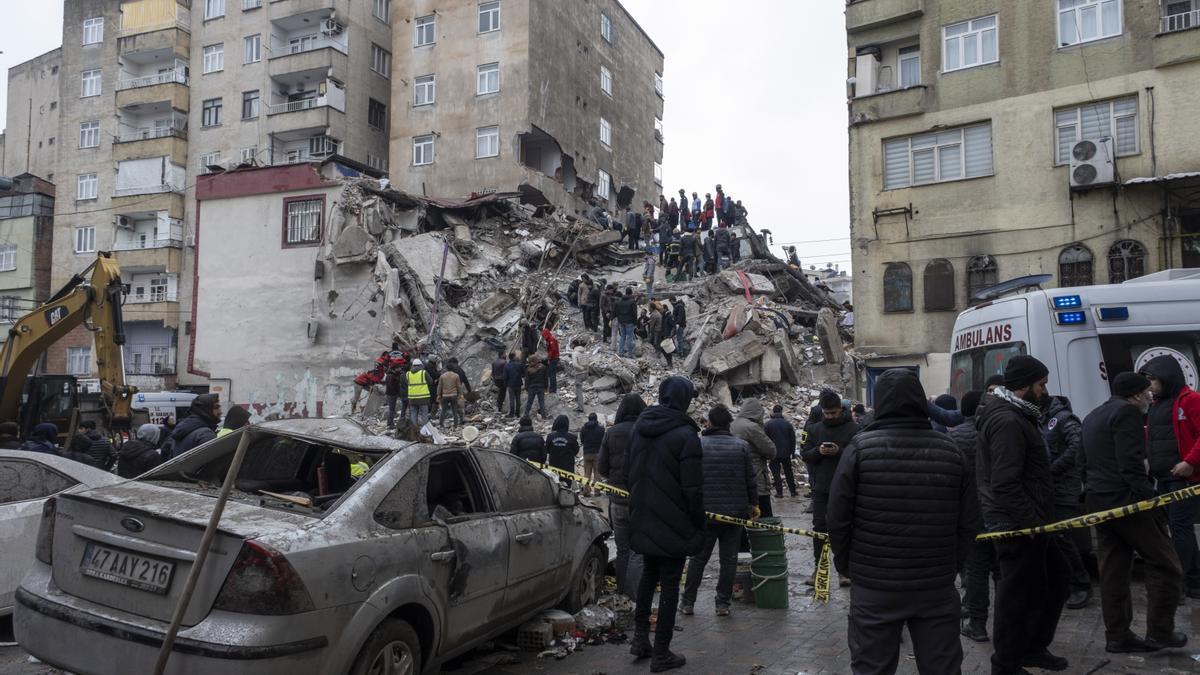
x: 1093, y: 519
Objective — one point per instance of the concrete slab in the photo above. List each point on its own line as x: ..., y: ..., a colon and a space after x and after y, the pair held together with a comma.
x: 725, y: 356
x: 759, y: 285
x: 489, y: 309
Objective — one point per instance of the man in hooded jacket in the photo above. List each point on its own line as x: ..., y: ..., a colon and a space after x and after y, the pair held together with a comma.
x: 749, y: 427
x: 783, y: 435
x: 1064, y: 440
x: 199, y: 427
x: 666, y: 507
x: 528, y: 444
x: 1173, y: 432
x: 902, y: 514
x: 591, y: 435
x: 141, y: 454
x: 611, y: 465
x: 562, y: 446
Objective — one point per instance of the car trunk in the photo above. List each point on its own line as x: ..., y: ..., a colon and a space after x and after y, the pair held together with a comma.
x: 131, y: 546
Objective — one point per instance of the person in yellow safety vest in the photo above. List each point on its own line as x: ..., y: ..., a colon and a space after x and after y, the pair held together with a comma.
x: 235, y: 419
x: 420, y: 394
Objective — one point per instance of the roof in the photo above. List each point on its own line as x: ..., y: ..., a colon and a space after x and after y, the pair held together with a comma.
x: 84, y: 473
x: 1143, y: 180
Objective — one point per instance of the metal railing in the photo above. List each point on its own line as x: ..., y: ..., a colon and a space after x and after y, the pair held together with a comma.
x: 1181, y: 21
x: 152, y: 296
x: 151, y: 80
x: 146, y: 190
x: 149, y: 133
x: 140, y: 244
x: 295, y: 106
x: 287, y: 48
x: 150, y: 359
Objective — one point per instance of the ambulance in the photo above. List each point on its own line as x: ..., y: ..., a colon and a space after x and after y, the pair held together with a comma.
x: 1085, y: 335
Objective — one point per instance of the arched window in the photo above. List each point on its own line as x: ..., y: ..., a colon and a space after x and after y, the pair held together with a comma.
x: 897, y: 288
x: 939, y: 285
x: 981, y: 273
x: 1075, y: 266
x: 1126, y: 260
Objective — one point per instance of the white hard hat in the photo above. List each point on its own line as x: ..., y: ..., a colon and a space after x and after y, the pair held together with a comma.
x: 417, y: 363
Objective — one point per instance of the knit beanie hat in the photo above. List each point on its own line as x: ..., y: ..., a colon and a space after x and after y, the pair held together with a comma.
x: 1130, y: 384
x: 1023, y: 371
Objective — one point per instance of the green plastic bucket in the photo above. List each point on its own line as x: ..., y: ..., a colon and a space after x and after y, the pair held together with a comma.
x: 765, y: 540
x: 770, y: 590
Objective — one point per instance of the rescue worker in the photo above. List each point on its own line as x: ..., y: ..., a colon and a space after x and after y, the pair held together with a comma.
x: 687, y: 252
x: 562, y: 447
x: 420, y: 392
x: 235, y: 419
x: 394, y: 386
x: 369, y: 378
x: 584, y: 299
x: 450, y: 396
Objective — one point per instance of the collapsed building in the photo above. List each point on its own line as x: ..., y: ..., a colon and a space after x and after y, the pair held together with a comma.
x: 305, y: 273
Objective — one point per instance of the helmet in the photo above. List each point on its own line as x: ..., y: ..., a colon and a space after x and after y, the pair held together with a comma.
x: 417, y: 363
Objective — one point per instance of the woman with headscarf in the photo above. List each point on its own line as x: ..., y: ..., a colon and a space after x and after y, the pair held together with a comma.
x: 141, y: 454
x: 235, y: 419
x: 563, y: 446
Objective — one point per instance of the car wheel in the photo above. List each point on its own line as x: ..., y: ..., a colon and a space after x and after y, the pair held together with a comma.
x: 589, y: 581
x: 393, y: 649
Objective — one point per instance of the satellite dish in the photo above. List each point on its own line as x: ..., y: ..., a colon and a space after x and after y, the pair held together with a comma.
x: 470, y: 433
x: 1033, y: 281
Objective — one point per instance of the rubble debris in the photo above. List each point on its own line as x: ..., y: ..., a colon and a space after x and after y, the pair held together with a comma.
x: 729, y: 354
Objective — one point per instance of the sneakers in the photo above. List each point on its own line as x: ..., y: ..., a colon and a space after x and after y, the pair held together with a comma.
x: 1173, y: 641
x: 1046, y: 661
x: 722, y: 611
x: 687, y: 609
x: 975, y: 630
x: 1079, y: 599
x: 666, y: 660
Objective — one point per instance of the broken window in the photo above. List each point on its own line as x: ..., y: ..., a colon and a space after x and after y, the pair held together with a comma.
x: 981, y: 273
x: 453, y: 489
x: 897, y: 288
x: 517, y: 485
x: 1126, y: 260
x: 303, y: 220
x: 1075, y: 266
x: 939, y: 285
x: 423, y: 150
x: 539, y: 151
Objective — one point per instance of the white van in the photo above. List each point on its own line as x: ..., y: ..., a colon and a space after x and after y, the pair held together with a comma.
x: 1084, y: 335
x: 154, y: 407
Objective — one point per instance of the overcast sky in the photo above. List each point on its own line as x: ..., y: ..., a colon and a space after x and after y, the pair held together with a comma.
x: 755, y: 100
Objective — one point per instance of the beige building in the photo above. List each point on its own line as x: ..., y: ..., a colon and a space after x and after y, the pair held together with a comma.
x: 966, y: 161
x: 26, y: 239
x: 559, y: 98
x: 31, y: 136
x: 154, y: 93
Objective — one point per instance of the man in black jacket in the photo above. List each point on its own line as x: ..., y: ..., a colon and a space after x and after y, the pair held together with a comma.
x: 730, y: 489
x: 199, y: 427
x: 611, y: 465
x: 981, y: 558
x: 783, y: 435
x: 528, y: 444
x: 94, y: 445
x: 1115, y: 448
x: 498, y: 368
x: 666, y: 509
x: 591, y: 435
x: 822, y: 452
x: 514, y: 378
x: 902, y: 515
x: 626, y: 309
x: 1016, y: 491
x: 1064, y: 439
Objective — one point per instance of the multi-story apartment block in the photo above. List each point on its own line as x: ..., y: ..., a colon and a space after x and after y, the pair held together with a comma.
x: 26, y: 238
x: 31, y: 139
x: 560, y: 99
x: 154, y: 93
x: 968, y: 164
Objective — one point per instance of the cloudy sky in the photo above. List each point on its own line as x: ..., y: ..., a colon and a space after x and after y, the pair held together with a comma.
x: 755, y: 100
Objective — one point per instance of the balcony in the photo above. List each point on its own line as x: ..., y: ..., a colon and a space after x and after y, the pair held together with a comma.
x: 165, y: 310
x: 863, y: 15
x: 326, y: 55
x: 153, y: 142
x: 173, y: 93
x: 143, y: 244
x: 156, y: 188
x: 149, y: 255
x: 151, y: 297
x: 151, y: 80
x: 889, y: 105
x: 144, y: 16
x: 1172, y: 23
x: 302, y: 104
x: 1176, y: 41
x: 170, y: 203
x: 173, y: 39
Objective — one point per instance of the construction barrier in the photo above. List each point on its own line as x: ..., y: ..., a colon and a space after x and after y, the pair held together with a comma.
x: 820, y: 583
x: 1094, y: 519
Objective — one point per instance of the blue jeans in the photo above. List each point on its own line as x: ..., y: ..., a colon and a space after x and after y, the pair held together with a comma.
x: 1181, y: 515
x: 541, y: 399
x: 552, y: 375
x: 679, y: 331
x: 418, y: 413
x: 625, y: 348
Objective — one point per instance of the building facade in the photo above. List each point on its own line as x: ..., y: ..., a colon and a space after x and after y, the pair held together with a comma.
x: 26, y: 240
x: 31, y: 134
x: 560, y: 99
x: 966, y: 125
x: 155, y: 93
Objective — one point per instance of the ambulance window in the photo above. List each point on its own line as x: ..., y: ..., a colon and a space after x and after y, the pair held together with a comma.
x: 970, y: 368
x: 1124, y: 353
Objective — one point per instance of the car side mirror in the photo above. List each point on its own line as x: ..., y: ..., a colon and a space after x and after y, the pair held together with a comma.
x: 566, y: 498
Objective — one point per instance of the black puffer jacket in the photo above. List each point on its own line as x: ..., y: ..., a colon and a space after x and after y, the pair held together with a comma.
x: 562, y: 445
x: 1064, y: 438
x: 783, y: 435
x: 821, y: 468
x: 1163, y: 448
x: 626, y: 308
x: 591, y: 435
x: 665, y: 470
x: 903, y: 510
x: 1114, y: 445
x: 1012, y: 467
x: 529, y: 444
x: 966, y: 437
x: 137, y: 457
x: 198, y: 428
x: 535, y: 378
x: 611, y: 463
x: 729, y: 480
x: 99, y: 450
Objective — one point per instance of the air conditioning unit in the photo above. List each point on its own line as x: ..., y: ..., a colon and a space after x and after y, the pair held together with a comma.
x: 1092, y: 164
x: 331, y: 27
x: 123, y: 222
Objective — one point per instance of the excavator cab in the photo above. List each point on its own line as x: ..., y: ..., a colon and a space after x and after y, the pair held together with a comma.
x: 50, y: 398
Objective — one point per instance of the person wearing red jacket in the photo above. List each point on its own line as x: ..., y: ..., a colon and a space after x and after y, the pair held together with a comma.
x: 551, y: 360
x: 369, y: 378
x: 1173, y: 445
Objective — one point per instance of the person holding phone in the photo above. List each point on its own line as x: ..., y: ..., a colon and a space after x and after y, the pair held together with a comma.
x: 821, y: 452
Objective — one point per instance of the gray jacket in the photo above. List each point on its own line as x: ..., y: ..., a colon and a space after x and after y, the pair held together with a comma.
x: 748, y: 427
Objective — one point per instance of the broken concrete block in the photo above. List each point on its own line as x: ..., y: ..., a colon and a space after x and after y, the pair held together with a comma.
x: 725, y: 356
x: 492, y: 307
x: 593, y: 241
x: 770, y: 371
x: 607, y: 397
x: 462, y: 233
x: 452, y: 327
x: 605, y: 383
x: 720, y: 389
x: 352, y: 244
x: 746, y: 375
x: 788, y: 362
x: 759, y: 285
x: 693, y: 357
x: 830, y: 338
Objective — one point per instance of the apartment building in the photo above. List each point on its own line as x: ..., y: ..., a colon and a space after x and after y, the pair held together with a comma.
x: 26, y: 239
x: 561, y: 99
x: 155, y: 93
x: 970, y: 160
x: 30, y: 139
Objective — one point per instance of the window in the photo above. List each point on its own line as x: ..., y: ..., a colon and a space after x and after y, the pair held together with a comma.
x: 939, y: 286
x: 381, y: 60
x: 302, y: 221
x: 452, y: 491
x: 1126, y: 260
x: 982, y: 273
x: 423, y: 150
x: 8, y: 308
x: 251, y: 4
x: 1075, y: 266
x: 91, y: 84
x: 658, y: 84
x: 1180, y: 15
x: 487, y: 142
x: 252, y: 49
x: 383, y: 10
x: 214, y: 9
x: 424, y: 90
x: 87, y: 187
x: 954, y: 154
x: 658, y: 173
x: 250, y: 102
x: 658, y: 129
x: 897, y: 288
x: 376, y: 114
x: 1108, y: 119
x: 214, y: 58
x: 426, y: 30
x: 209, y: 159
x: 8, y: 257
x: 85, y: 239
x: 910, y: 66
x: 488, y: 77
x: 1087, y: 20
x: 79, y: 360
x: 489, y: 16
x: 605, y: 133
x: 603, y: 181
x: 89, y: 134
x: 606, y: 80
x: 250, y: 154
x: 93, y: 30
x: 519, y: 486
x: 397, y: 510
x: 210, y: 113
x: 606, y: 28
x: 375, y: 162
x: 969, y: 44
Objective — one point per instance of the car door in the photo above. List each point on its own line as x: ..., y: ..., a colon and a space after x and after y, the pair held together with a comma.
x: 537, y: 568
x: 24, y: 486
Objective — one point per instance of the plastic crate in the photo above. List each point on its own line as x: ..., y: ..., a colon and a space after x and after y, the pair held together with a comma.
x: 534, y: 636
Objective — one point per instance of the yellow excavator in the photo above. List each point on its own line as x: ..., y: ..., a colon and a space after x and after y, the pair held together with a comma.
x: 95, y: 302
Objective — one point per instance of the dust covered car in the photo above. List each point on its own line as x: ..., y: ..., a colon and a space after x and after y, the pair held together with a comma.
x: 432, y: 551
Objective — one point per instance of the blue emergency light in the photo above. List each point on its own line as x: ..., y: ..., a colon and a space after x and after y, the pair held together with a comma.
x: 1068, y: 302
x: 1071, y: 318
x: 1114, y: 313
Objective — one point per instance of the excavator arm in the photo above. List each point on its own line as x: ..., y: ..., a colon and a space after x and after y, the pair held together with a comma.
x: 97, y: 302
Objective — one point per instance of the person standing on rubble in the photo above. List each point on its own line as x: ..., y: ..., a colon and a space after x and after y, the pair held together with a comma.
x: 685, y: 211
x: 514, y: 378
x: 735, y: 247
x: 672, y: 215
x: 552, y: 356
x: 655, y: 325
x: 673, y: 250
x: 591, y: 435
x: 420, y: 393
x: 696, y: 209
x: 594, y: 304
x: 719, y: 205
x: 563, y: 447
x: 648, y: 275
x: 529, y: 338
x: 611, y: 466
x: 687, y: 254
x: 722, y: 248
x: 452, y: 364
x: 498, y: 368
x: 394, y: 386
x: 585, y: 294
x: 664, y: 465
x: 528, y: 444
x: 822, y: 452
x: 710, y: 252
x: 608, y: 303
x: 626, y: 312
x: 633, y: 229
x: 783, y: 435
x: 679, y: 312
x: 749, y: 427
x: 535, y: 385
x: 450, y: 397
x: 706, y: 223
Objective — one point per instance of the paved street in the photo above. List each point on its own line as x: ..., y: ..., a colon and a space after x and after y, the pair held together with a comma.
x: 807, y: 638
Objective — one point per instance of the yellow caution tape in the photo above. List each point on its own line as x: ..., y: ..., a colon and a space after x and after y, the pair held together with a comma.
x: 820, y: 583
x: 1093, y: 519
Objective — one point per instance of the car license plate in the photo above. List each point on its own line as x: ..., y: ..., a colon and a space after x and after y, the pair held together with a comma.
x: 128, y: 569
